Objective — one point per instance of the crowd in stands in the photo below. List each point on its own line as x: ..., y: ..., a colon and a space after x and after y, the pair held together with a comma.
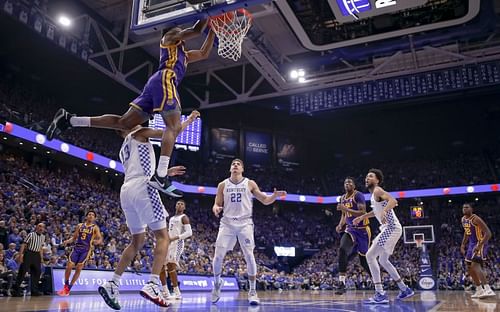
x: 23, y: 102
x: 59, y: 196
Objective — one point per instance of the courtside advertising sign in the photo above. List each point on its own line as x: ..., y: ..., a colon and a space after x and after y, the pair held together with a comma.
x: 90, y: 280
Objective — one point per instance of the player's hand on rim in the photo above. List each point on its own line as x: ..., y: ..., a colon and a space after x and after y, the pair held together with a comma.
x: 176, y: 171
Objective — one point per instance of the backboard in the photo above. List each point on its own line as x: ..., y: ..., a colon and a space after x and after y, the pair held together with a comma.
x: 153, y: 15
x: 411, y: 233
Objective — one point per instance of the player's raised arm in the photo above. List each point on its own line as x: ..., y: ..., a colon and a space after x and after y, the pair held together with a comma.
x: 219, y: 200
x: 175, y: 34
x: 263, y: 198
x: 204, y: 52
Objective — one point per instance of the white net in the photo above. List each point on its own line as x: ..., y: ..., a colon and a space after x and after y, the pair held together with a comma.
x: 231, y: 29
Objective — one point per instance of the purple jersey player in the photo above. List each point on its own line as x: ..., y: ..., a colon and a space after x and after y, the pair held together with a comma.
x: 356, y: 237
x: 85, y: 236
x: 474, y: 247
x: 160, y: 95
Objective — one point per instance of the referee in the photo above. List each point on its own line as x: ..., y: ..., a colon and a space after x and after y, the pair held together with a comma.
x: 30, y: 260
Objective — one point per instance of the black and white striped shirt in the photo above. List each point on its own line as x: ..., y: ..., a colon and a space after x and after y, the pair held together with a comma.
x: 35, y: 241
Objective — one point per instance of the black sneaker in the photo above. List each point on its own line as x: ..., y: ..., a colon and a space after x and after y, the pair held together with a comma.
x: 60, y: 122
x: 164, y: 185
x: 341, y: 289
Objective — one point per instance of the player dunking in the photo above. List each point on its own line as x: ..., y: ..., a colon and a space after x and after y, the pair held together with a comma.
x: 160, y: 95
x: 383, y: 205
x: 234, y: 197
x: 356, y: 238
x: 142, y: 207
x: 475, y: 247
x: 179, y: 229
x: 85, y: 236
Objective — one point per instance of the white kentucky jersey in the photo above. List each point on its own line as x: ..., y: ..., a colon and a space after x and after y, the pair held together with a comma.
x: 175, y: 225
x: 237, y: 199
x: 138, y: 158
x: 378, y: 209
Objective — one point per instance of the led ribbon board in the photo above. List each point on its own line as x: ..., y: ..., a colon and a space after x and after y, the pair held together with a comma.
x: 37, y: 138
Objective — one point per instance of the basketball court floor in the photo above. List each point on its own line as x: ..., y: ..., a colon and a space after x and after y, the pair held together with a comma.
x: 289, y: 301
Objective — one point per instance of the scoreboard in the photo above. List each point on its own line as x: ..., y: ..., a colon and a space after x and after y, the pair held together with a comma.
x: 417, y: 212
x: 347, y: 10
x: 190, y: 136
x: 405, y: 87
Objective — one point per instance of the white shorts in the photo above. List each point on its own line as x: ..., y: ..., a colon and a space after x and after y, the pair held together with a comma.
x: 388, y: 238
x: 230, y: 231
x: 142, y: 206
x: 175, y: 250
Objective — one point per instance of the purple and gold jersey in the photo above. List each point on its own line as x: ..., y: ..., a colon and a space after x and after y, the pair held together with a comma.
x: 85, y: 235
x: 351, y: 202
x: 173, y: 58
x: 475, y: 235
x: 472, y: 231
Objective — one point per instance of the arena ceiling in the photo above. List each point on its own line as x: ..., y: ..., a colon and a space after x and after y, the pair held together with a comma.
x: 276, y: 45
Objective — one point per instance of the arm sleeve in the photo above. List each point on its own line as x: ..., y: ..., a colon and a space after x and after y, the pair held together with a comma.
x: 187, y: 231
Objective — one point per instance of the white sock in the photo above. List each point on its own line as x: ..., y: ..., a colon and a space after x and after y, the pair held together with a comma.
x: 165, y: 288
x: 116, y: 278
x: 486, y: 287
x: 252, y: 284
x: 342, y: 279
x: 176, y: 289
x: 80, y: 121
x: 155, y: 278
x: 379, y: 287
x: 163, y: 166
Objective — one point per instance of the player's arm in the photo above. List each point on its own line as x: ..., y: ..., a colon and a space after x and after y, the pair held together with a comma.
x: 263, y: 198
x: 74, y: 237
x: 477, y: 221
x: 360, y: 200
x: 465, y: 240
x: 219, y: 199
x: 341, y: 223
x: 97, y: 235
x: 383, y: 195
x: 204, y: 52
x: 186, y: 226
x: 361, y: 218
x: 146, y: 133
x: 173, y: 36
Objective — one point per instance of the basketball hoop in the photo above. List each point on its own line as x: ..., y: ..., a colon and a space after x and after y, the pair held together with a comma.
x: 231, y: 28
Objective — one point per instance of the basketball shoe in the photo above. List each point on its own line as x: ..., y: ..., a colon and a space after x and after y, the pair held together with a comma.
x: 60, y: 122
x: 164, y: 185
x: 253, y: 299
x: 407, y: 293
x: 216, y: 291
x: 379, y: 298
x: 110, y: 293
x: 152, y: 292
x: 64, y: 292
